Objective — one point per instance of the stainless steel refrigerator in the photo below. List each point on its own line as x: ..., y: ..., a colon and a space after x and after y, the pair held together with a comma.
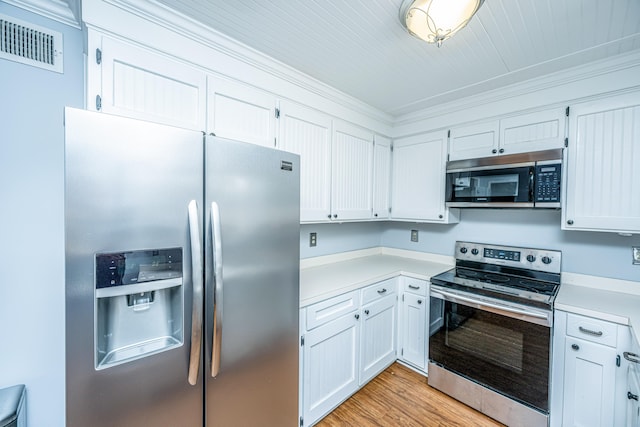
x: 182, y: 257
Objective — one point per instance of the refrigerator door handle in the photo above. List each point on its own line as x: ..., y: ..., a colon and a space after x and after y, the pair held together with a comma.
x: 216, y: 237
x: 196, y: 278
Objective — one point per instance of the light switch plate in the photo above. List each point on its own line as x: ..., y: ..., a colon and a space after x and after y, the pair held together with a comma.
x: 414, y: 235
x: 636, y: 254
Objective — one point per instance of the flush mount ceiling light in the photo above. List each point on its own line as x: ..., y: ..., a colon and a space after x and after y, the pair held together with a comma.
x: 434, y: 21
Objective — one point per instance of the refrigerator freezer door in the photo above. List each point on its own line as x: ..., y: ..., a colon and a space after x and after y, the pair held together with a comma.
x: 127, y: 191
x: 257, y: 192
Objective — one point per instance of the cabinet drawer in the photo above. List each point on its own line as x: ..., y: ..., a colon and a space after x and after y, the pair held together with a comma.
x: 590, y: 329
x: 328, y: 310
x: 378, y: 290
x: 415, y: 286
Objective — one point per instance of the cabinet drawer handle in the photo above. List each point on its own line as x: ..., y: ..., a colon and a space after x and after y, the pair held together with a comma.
x: 414, y: 287
x: 366, y: 312
x: 631, y: 357
x: 357, y: 316
x: 590, y: 332
x: 632, y: 396
x: 382, y: 291
x: 576, y: 347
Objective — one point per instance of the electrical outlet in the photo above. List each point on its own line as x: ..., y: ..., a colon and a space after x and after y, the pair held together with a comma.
x: 636, y: 254
x: 414, y: 235
x: 313, y: 239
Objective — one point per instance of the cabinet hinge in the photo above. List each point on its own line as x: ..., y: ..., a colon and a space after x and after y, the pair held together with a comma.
x: 566, y: 112
x: 98, y: 102
x: 277, y: 112
x: 447, y: 157
x: 392, y: 147
x: 275, y: 143
x: 449, y: 133
x: 389, y: 209
x: 302, y: 341
x: 402, y: 297
x: 402, y: 352
x: 566, y: 142
x: 301, y: 421
x: 618, y: 360
x: 98, y: 56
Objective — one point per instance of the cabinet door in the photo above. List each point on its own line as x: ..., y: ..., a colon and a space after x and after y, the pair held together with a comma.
x: 352, y: 172
x: 603, y: 177
x: 331, y: 354
x: 240, y: 112
x: 418, y: 179
x: 413, y: 329
x: 381, y: 177
x: 307, y: 133
x: 589, y: 384
x: 142, y: 84
x: 469, y: 142
x: 378, y: 337
x: 542, y: 130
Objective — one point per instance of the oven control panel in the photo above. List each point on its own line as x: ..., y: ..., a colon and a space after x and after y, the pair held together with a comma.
x: 529, y: 258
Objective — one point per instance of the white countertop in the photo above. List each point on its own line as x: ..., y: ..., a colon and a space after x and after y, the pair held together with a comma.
x: 612, y: 300
x: 324, y: 277
x: 329, y: 276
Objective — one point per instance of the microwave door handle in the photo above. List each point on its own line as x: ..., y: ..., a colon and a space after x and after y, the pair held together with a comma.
x: 197, y: 301
x: 532, y: 172
x: 216, y: 237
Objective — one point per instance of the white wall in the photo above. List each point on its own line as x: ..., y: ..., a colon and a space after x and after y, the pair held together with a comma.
x: 598, y: 254
x: 31, y: 222
x: 334, y: 238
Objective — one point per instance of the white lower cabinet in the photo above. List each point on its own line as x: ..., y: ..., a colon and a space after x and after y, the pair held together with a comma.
x: 412, y: 325
x: 346, y: 341
x: 589, y: 386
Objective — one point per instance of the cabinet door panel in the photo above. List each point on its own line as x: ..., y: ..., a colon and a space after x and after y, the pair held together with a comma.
x: 603, y: 178
x: 142, y: 84
x: 412, y: 329
x: 331, y: 355
x: 543, y: 130
x: 352, y: 172
x: 473, y: 141
x: 418, y: 178
x: 308, y: 133
x: 589, y: 384
x: 378, y: 337
x: 240, y: 112
x: 381, y: 177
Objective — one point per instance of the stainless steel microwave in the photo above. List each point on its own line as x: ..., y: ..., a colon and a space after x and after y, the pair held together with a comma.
x: 526, y: 180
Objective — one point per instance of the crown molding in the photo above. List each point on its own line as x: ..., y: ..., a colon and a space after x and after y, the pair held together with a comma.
x: 169, y: 19
x: 66, y: 12
x: 516, y: 90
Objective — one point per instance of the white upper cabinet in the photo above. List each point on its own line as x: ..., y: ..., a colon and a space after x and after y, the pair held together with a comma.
x: 479, y: 140
x: 602, y: 179
x: 307, y: 133
x: 139, y: 83
x: 381, y: 177
x: 541, y: 130
x: 418, y: 179
x: 241, y: 112
x: 352, y: 177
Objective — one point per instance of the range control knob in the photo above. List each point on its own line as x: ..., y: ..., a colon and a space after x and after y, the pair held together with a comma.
x: 531, y: 258
x: 463, y: 250
x: 474, y: 251
x: 546, y: 260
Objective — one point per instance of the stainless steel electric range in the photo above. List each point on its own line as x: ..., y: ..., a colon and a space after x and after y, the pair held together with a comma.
x: 490, y: 330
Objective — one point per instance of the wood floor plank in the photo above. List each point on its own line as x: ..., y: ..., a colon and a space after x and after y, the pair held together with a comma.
x: 402, y: 397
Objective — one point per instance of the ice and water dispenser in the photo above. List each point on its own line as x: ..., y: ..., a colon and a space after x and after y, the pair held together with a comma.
x: 138, y: 304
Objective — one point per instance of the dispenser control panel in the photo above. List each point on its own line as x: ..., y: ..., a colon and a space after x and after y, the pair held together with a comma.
x: 129, y: 268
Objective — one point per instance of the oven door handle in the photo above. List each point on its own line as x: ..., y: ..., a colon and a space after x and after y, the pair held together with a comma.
x: 513, y: 312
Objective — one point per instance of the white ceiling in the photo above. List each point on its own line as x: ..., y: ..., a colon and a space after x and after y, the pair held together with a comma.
x: 360, y: 47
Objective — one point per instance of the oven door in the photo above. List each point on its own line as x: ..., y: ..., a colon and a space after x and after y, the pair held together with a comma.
x: 502, y: 347
x: 491, y: 186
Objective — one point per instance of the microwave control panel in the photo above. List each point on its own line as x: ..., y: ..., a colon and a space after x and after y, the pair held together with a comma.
x: 547, y: 183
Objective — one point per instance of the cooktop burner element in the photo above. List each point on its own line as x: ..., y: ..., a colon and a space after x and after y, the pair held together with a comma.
x: 523, y: 275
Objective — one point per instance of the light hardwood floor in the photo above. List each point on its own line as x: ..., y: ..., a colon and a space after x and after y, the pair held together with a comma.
x: 401, y: 397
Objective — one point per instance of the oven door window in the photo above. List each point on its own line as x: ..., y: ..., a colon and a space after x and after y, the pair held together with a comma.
x: 508, y: 355
x: 501, y: 185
